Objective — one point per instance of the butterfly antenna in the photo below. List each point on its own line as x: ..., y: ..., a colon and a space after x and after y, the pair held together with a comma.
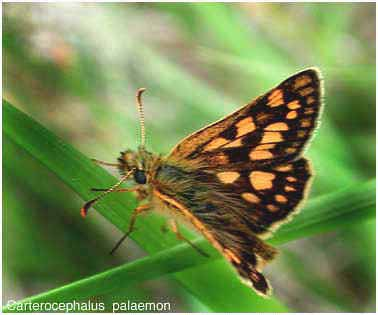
x: 90, y: 203
x: 141, y: 116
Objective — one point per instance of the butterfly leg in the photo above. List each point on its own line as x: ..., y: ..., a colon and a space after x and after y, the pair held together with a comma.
x: 137, y: 211
x: 175, y: 229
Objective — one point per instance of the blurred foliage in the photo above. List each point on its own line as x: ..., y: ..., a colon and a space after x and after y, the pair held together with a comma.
x: 75, y: 69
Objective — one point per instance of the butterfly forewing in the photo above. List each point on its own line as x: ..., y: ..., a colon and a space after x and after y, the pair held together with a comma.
x: 272, y: 129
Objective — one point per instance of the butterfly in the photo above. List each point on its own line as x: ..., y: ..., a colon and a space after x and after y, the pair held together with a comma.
x: 235, y: 181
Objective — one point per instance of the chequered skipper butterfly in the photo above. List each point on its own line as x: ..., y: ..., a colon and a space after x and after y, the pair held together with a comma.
x: 236, y: 180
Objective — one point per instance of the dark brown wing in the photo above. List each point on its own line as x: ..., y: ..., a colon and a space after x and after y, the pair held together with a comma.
x: 272, y: 129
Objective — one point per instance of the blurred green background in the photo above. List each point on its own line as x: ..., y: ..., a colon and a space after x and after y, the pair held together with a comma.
x: 75, y: 69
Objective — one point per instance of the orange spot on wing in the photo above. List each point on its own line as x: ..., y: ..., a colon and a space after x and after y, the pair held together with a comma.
x: 215, y: 144
x: 284, y: 168
x: 272, y: 208
x: 292, y: 114
x: 280, y: 126
x: 261, y: 180
x: 291, y: 179
x: 245, y: 126
x: 271, y: 137
x: 275, y: 94
x: 234, y: 144
x: 280, y: 198
x: 294, y: 105
x: 265, y: 146
x: 252, y: 198
x: 260, y: 155
x: 289, y: 188
x: 275, y: 98
x: 228, y: 177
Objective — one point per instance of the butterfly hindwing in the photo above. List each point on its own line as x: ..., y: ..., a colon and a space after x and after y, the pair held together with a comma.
x: 273, y: 128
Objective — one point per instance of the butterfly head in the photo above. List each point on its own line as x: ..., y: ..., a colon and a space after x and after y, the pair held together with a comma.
x: 137, y: 162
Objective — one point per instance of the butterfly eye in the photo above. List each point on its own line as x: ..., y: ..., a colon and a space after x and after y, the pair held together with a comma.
x: 140, y: 177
